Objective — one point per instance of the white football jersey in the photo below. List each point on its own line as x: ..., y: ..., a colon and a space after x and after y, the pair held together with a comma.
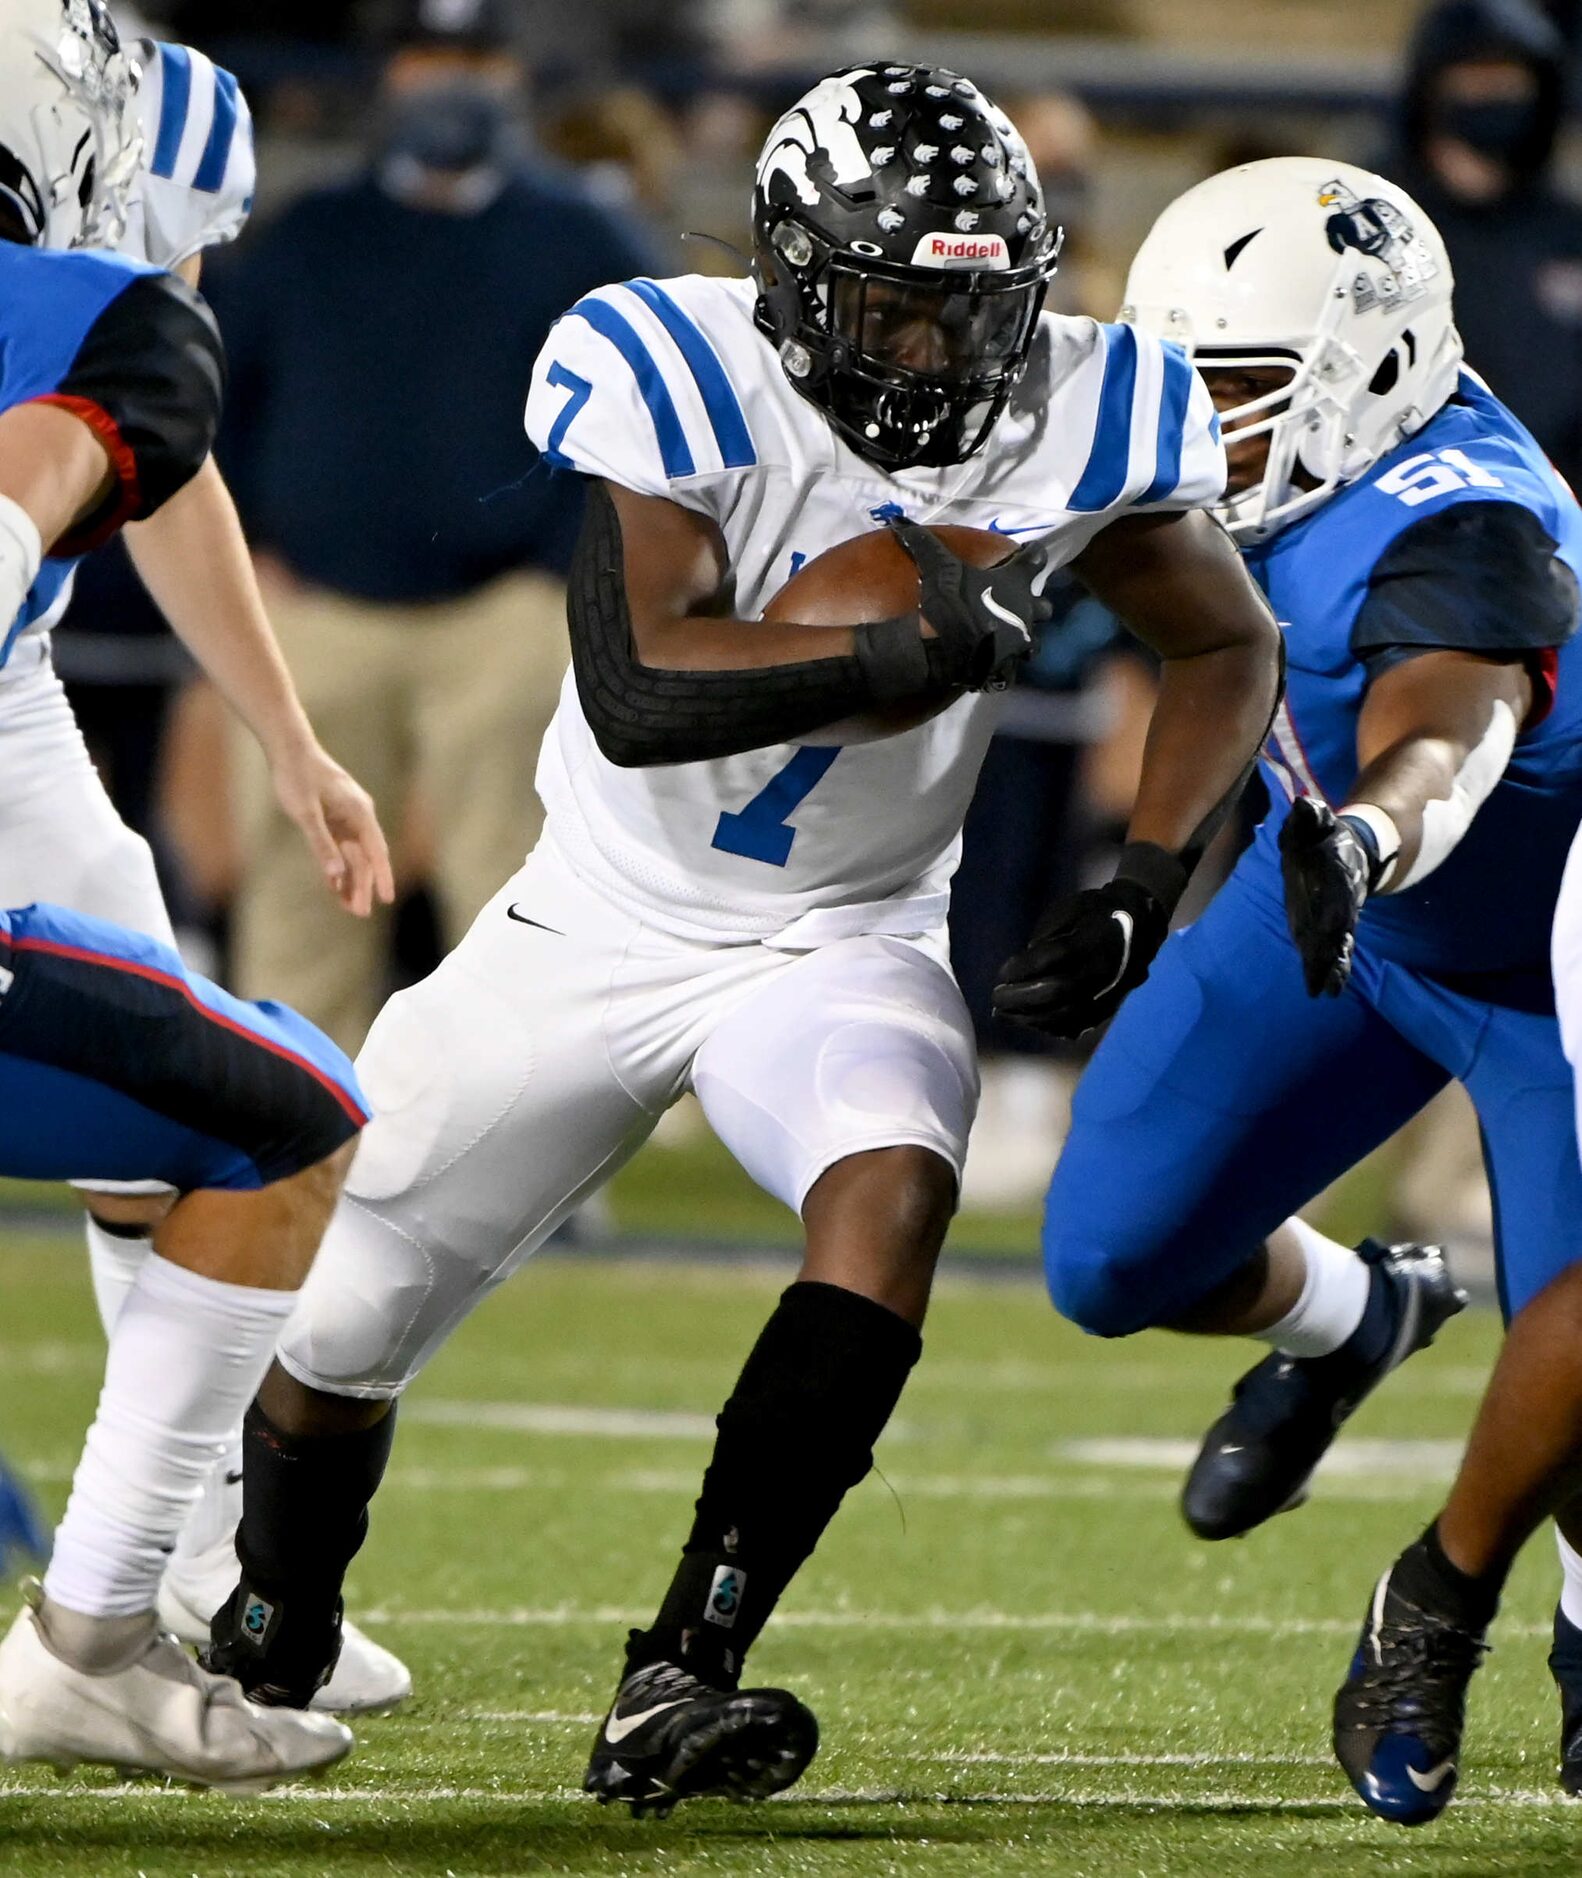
x: 669, y: 389
x: 199, y: 171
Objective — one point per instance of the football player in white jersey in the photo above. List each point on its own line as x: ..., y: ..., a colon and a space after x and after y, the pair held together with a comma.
x: 186, y: 154
x: 734, y: 899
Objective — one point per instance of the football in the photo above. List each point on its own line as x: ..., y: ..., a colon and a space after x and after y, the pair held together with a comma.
x: 872, y: 577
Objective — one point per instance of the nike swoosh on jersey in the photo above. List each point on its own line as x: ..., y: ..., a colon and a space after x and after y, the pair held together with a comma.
x: 993, y: 606
x: 1032, y: 528
x: 618, y: 1727
x: 522, y: 920
x: 1434, y: 1779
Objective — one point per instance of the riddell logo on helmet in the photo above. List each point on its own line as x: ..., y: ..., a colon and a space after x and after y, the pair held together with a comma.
x: 962, y: 251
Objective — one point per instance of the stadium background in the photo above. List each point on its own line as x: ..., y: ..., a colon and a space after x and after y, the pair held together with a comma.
x: 1005, y: 1685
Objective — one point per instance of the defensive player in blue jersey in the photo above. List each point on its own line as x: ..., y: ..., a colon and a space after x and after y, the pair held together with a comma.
x: 1426, y: 774
x: 113, y: 1062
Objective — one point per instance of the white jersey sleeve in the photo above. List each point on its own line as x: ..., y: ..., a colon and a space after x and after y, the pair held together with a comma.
x: 199, y: 170
x: 629, y: 387
x: 1156, y: 439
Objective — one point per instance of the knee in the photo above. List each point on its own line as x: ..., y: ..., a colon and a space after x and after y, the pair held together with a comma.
x: 1100, y: 1270
x: 299, y: 1410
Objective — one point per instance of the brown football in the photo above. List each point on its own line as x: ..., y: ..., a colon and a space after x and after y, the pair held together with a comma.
x: 872, y: 577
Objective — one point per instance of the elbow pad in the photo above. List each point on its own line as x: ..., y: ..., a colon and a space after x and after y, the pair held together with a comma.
x: 641, y: 714
x: 21, y: 555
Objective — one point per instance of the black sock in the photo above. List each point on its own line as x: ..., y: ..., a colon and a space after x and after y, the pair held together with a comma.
x: 1424, y: 1576
x: 795, y: 1436
x: 1376, y: 1330
x: 305, y: 1504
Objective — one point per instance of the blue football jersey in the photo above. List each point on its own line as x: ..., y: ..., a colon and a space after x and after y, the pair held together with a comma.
x: 134, y: 354
x: 1488, y: 908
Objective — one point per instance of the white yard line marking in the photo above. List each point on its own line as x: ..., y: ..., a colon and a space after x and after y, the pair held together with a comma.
x: 1217, y: 1799
x: 1074, y: 1759
x: 560, y: 1418
x: 1081, y: 1623
x: 1353, y: 1457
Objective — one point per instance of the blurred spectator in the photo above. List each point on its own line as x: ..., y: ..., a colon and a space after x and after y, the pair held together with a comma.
x: 1481, y: 110
x: 382, y: 333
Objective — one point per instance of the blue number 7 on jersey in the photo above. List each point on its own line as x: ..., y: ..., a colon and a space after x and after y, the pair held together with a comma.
x: 760, y: 832
x: 580, y: 391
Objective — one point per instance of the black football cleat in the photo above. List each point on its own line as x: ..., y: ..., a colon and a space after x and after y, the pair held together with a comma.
x: 670, y: 1737
x: 1565, y: 1665
x: 1399, y: 1713
x: 1259, y: 1457
x: 282, y: 1657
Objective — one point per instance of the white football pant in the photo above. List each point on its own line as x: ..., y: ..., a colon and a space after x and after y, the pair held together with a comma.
x: 516, y: 1079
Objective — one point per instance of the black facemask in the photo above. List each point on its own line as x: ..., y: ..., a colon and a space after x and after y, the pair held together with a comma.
x: 1502, y: 129
x: 451, y: 128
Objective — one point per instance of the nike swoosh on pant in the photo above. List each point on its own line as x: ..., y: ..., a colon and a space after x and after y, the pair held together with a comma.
x: 617, y: 1728
x: 522, y: 920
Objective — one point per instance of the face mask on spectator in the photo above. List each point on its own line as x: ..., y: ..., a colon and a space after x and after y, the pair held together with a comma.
x: 451, y: 128
x: 1498, y: 128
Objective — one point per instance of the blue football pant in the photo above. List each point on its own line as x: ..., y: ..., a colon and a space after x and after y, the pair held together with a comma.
x: 1224, y: 1099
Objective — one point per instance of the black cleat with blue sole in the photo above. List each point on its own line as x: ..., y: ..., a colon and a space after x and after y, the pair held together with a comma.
x: 1400, y: 1711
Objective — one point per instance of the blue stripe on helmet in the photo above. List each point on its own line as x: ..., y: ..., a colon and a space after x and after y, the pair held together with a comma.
x: 719, y: 400
x: 609, y: 324
x: 175, y: 67
x: 1104, y: 477
x: 1174, y: 398
x: 217, y: 151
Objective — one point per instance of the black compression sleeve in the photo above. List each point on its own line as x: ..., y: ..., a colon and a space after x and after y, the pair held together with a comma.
x: 153, y: 365
x: 641, y: 714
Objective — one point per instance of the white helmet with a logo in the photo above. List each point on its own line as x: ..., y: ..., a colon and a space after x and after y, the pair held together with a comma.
x: 70, y: 137
x: 1328, y: 271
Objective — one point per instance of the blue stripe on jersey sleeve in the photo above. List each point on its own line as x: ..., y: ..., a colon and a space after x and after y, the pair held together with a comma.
x: 217, y: 151
x: 1173, y: 402
x: 1104, y: 477
x: 609, y: 324
x: 175, y: 69
x: 719, y: 400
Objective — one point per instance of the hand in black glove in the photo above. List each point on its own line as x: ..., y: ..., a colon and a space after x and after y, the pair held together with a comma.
x: 1091, y: 950
x: 984, y: 617
x: 1328, y: 871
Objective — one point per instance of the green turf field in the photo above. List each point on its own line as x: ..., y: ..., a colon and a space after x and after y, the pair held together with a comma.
x: 1021, y: 1662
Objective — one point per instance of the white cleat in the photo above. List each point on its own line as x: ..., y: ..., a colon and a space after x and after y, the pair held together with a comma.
x: 158, y: 1714
x: 368, y: 1678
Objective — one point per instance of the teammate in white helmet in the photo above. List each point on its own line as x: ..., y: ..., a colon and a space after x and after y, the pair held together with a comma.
x: 156, y: 164
x: 1388, y: 929
x: 731, y: 899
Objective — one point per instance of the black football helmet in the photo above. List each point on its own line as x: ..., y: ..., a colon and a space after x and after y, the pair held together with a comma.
x: 901, y: 252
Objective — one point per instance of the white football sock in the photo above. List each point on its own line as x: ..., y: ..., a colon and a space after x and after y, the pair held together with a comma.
x: 114, y: 1262
x: 1571, y: 1589
x: 1334, y: 1296
x: 186, y: 1357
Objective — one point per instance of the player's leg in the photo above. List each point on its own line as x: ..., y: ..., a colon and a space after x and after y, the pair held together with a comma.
x: 112, y: 1057
x: 1223, y: 1099
x: 497, y: 1108
x: 846, y: 1088
x: 1398, y: 1718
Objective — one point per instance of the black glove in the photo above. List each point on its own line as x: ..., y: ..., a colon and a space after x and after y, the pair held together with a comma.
x: 984, y: 617
x: 1093, y: 947
x: 1329, y: 866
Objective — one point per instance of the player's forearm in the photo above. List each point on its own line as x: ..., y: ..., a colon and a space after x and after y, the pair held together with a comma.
x: 1434, y: 739
x: 193, y: 559
x: 1211, y: 717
